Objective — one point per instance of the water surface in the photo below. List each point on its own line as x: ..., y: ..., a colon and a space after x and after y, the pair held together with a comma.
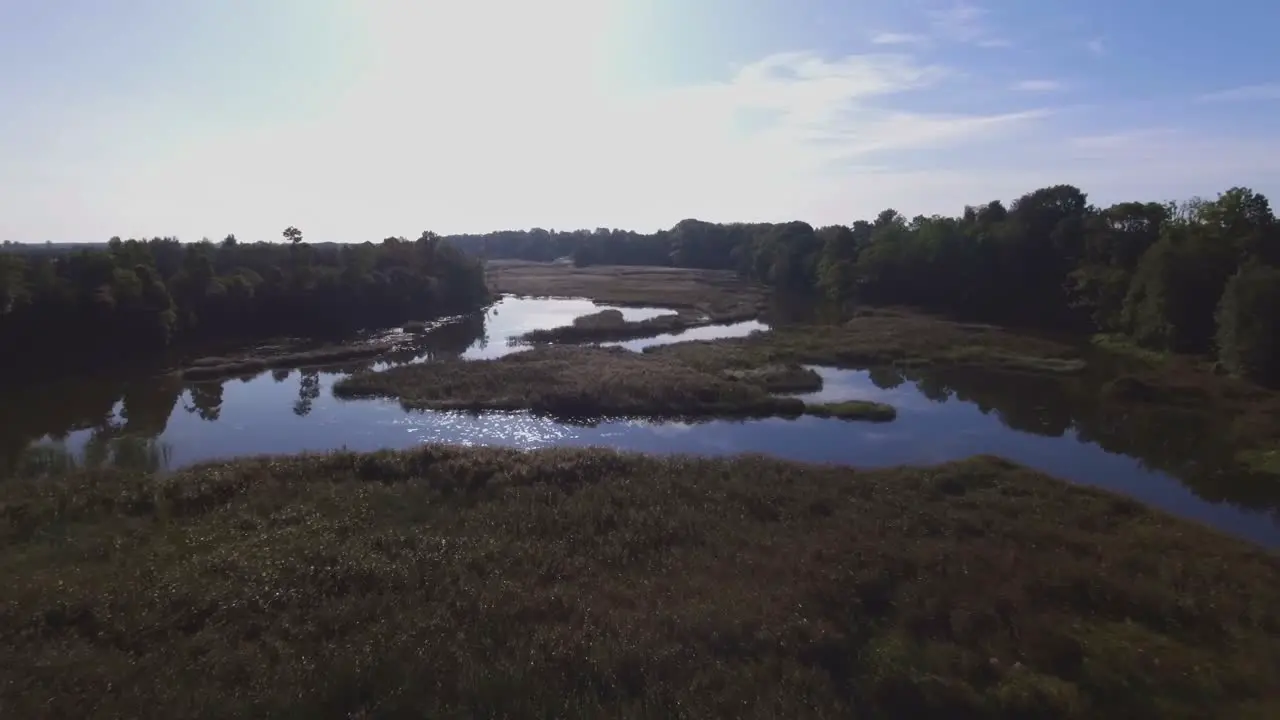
x: 1055, y: 425
x: 703, y: 332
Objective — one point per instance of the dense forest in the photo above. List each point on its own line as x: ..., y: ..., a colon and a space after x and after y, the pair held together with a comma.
x: 1197, y: 277
x: 136, y: 298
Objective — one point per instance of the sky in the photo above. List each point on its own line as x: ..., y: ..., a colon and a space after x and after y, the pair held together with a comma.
x: 358, y: 119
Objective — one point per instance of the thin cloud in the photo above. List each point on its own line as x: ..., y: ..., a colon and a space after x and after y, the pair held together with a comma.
x: 1110, y: 142
x: 1037, y: 85
x: 902, y: 131
x: 1097, y: 47
x: 1246, y: 93
x: 842, y: 108
x: 964, y: 23
x: 894, y: 38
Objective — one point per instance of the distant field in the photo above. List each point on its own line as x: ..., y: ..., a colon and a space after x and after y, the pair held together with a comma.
x: 711, y: 291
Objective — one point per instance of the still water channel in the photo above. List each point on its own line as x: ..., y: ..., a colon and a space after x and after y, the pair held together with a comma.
x: 1059, y: 426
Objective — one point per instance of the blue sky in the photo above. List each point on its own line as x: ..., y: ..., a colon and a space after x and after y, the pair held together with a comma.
x: 356, y: 119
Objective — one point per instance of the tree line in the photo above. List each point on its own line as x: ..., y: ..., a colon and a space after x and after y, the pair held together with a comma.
x: 1202, y: 276
x: 140, y: 297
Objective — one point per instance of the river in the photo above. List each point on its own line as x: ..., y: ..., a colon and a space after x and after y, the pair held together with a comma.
x: 1055, y: 425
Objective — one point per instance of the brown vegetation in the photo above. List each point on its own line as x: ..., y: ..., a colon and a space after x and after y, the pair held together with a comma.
x: 609, y: 325
x: 558, y: 583
x: 718, y: 294
x: 778, y: 378
x: 572, y: 382
x: 603, y: 326
x: 215, y: 368
x: 885, y: 337
x: 1247, y: 413
x: 853, y: 410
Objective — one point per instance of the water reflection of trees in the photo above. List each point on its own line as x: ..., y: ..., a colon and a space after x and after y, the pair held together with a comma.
x: 204, y: 400
x: 308, y: 391
x: 1192, y: 444
x: 128, y: 452
x: 125, y: 415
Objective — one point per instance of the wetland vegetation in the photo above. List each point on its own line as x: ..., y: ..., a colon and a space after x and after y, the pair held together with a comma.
x: 262, y: 358
x: 887, y: 337
x: 562, y: 582
x: 609, y: 325
x: 719, y: 294
x: 574, y: 382
x: 853, y: 410
x: 479, y: 581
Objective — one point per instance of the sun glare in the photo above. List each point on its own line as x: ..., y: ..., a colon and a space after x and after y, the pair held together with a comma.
x: 550, y: 48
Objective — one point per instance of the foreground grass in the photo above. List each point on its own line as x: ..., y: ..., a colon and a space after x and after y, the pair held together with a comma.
x: 559, y: 583
x: 854, y: 410
x: 885, y: 337
x: 574, y: 382
x: 713, y: 293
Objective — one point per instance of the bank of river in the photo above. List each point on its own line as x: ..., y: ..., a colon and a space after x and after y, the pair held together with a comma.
x: 942, y: 415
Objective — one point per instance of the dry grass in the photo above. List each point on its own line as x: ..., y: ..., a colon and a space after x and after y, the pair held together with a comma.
x: 778, y: 378
x: 885, y: 337
x: 1265, y: 462
x: 459, y: 582
x: 1249, y: 413
x: 609, y: 325
x: 216, y: 368
x: 571, y: 382
x: 715, y: 293
x: 854, y: 410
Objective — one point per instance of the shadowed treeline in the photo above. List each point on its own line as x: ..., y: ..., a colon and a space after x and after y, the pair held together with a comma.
x: 1198, y: 277
x: 133, y: 300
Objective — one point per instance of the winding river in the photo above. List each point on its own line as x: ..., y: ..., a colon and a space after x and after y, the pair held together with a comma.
x: 1049, y: 424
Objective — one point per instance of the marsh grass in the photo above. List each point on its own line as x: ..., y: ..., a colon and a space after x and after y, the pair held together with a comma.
x: 570, y: 381
x: 1130, y: 389
x: 853, y: 410
x: 885, y: 337
x: 216, y: 368
x: 778, y: 378
x: 1125, y: 346
x: 1247, y: 415
x: 1266, y: 462
x: 714, y: 293
x: 450, y: 581
x: 609, y: 325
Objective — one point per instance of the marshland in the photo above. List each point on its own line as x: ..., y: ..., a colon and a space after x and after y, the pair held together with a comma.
x: 725, y: 470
